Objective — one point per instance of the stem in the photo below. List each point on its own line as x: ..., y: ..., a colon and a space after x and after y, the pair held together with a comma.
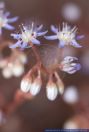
x: 35, y: 52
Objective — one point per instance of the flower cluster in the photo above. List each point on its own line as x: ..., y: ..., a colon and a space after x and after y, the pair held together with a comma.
x: 28, y: 37
x: 13, y: 65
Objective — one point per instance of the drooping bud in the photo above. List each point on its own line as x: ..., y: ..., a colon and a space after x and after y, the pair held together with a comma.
x: 36, y: 85
x: 26, y: 84
x: 51, y: 90
x: 59, y: 83
x: 18, y: 69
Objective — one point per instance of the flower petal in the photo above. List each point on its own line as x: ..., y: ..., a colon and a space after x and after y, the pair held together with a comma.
x: 54, y: 29
x: 61, y: 44
x: 40, y: 27
x: 14, y: 19
x: 41, y: 33
x: 17, y: 44
x: 75, y: 44
x: 9, y: 27
x: 7, y: 14
x: 53, y: 37
x: 80, y: 37
x: 35, y: 41
x: 16, y: 36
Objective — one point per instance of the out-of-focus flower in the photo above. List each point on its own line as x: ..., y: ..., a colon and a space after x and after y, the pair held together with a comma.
x: 71, y: 95
x: 13, y: 67
x: 66, y: 36
x: 67, y: 65
x: 5, y: 21
x: 29, y: 33
x: 71, y: 12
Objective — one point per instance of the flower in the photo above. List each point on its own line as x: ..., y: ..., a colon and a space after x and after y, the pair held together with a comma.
x: 67, y: 65
x: 29, y: 33
x: 66, y: 36
x: 5, y: 21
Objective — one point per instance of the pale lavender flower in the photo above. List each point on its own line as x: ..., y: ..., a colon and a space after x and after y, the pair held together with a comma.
x: 29, y: 33
x: 66, y: 36
x: 68, y: 65
x: 5, y: 21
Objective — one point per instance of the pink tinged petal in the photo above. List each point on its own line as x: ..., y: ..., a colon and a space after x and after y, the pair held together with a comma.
x: 41, y: 33
x: 14, y: 19
x: 75, y: 44
x: 53, y: 37
x: 40, y: 27
x: 7, y: 14
x: 54, y: 29
x: 80, y: 37
x: 35, y: 41
x: 18, y: 44
x: 61, y: 44
x: 16, y: 36
x: 9, y: 27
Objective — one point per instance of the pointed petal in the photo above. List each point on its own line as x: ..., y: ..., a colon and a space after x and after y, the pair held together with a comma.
x: 9, y: 27
x: 80, y: 37
x: 54, y: 29
x: 23, y: 45
x: 40, y: 27
x: 16, y: 36
x: 35, y: 41
x: 75, y: 44
x: 53, y: 37
x: 14, y: 19
x: 18, y: 44
x: 61, y: 44
x: 7, y: 14
x: 41, y: 33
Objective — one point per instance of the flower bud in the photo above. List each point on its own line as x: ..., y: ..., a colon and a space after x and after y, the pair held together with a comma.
x: 23, y: 58
x: 51, y: 90
x: 18, y: 69
x: 36, y: 86
x: 3, y: 63
x: 7, y: 72
x: 26, y: 84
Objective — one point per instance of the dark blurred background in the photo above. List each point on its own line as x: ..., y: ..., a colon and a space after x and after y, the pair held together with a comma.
x: 38, y: 114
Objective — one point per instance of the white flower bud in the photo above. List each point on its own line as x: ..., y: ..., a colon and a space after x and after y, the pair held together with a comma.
x: 7, y: 72
x: 18, y: 69
x: 3, y: 63
x: 26, y: 84
x: 51, y: 90
x: 36, y: 86
x: 23, y: 58
x: 59, y: 83
x: 71, y: 95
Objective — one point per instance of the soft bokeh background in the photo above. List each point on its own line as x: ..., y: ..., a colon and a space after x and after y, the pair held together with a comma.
x: 39, y: 113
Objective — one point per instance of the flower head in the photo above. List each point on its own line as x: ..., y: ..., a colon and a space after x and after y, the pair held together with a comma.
x: 66, y: 36
x: 29, y: 33
x: 5, y: 21
x: 68, y: 65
